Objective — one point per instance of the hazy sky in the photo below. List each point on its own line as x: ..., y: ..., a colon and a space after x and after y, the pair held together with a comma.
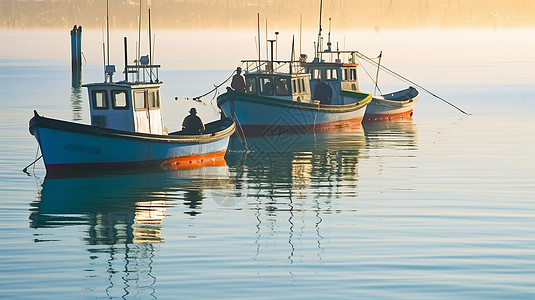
x: 280, y: 13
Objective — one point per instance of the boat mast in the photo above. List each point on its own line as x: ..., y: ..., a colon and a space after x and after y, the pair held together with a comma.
x: 139, y: 37
x: 258, y: 25
x: 377, y: 75
x: 108, y: 31
x: 150, y: 43
x: 125, y: 60
x: 319, y: 32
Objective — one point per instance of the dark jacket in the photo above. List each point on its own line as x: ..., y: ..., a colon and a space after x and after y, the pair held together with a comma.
x: 192, y: 125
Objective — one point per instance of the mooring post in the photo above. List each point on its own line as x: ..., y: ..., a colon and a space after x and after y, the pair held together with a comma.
x: 76, y: 55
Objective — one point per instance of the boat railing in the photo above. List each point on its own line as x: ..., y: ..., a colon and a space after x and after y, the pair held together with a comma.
x: 143, y: 73
x: 276, y: 66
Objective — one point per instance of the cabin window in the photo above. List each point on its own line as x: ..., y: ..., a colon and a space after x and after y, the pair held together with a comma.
x: 316, y: 74
x: 353, y: 74
x: 250, y: 85
x: 344, y: 74
x: 281, y: 87
x: 119, y: 100
x: 295, y: 86
x: 266, y: 86
x: 153, y: 99
x: 331, y: 74
x: 100, y: 100
x: 139, y: 100
x: 302, y: 85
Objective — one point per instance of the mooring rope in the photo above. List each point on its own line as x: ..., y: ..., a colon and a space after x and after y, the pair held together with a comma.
x: 239, y: 131
x: 198, y: 98
x: 387, y: 70
x: 25, y: 170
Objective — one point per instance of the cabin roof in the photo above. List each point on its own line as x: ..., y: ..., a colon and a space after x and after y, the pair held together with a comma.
x: 125, y: 84
x: 323, y: 64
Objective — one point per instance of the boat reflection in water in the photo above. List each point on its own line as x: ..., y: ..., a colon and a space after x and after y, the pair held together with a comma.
x: 119, y: 218
x: 392, y: 135
x: 298, y: 161
x: 292, y: 182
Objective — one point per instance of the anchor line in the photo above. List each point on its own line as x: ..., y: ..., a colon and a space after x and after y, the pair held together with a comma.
x: 25, y: 170
x: 239, y: 131
x: 387, y: 70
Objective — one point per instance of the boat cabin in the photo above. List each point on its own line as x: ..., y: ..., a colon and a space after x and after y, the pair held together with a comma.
x: 129, y: 105
x: 291, y: 87
x: 336, y: 75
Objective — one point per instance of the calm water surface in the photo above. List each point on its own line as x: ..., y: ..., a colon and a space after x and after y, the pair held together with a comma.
x: 440, y: 207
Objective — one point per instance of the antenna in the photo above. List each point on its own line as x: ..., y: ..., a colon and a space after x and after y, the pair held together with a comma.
x: 104, y: 59
x: 329, y: 37
x: 292, y: 56
x: 258, y: 25
x: 271, y: 66
x: 276, y: 45
x: 300, y: 32
x: 267, y: 44
x: 139, y: 35
x: 319, y: 32
x: 108, y: 30
x: 150, y: 42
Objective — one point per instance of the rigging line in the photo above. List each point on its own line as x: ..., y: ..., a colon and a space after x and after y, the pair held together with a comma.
x: 370, y: 76
x: 409, y: 81
x: 239, y: 129
x: 216, y: 86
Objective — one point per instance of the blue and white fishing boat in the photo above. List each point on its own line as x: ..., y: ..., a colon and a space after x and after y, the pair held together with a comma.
x: 127, y: 129
x: 283, y: 101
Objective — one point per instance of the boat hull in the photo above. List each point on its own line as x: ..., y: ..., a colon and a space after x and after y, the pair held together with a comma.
x: 257, y: 115
x: 393, y: 106
x: 68, y: 146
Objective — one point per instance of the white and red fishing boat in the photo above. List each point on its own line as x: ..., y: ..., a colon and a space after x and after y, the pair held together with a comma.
x: 393, y: 106
x: 127, y: 129
x: 283, y: 101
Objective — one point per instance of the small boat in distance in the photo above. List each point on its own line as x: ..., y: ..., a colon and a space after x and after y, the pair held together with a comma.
x: 282, y: 102
x: 394, y: 106
x: 127, y: 129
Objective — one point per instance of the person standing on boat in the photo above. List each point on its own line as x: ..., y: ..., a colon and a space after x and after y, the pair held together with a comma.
x: 192, y: 124
x: 238, y: 81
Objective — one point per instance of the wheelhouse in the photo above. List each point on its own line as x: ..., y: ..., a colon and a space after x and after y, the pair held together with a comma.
x: 291, y: 86
x: 128, y: 105
x: 337, y: 75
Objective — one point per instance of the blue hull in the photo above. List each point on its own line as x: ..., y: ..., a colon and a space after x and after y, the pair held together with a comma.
x: 70, y: 146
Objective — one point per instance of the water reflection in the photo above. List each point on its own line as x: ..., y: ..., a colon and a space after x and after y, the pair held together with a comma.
x: 122, y: 217
x: 391, y: 135
x: 290, y: 182
x: 297, y: 162
x: 76, y: 95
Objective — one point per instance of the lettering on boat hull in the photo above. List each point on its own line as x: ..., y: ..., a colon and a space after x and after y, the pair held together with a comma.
x: 82, y: 149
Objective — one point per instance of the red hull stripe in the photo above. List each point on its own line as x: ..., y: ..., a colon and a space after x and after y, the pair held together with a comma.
x: 177, y: 163
x: 338, y: 126
x: 388, y: 117
x: 194, y: 161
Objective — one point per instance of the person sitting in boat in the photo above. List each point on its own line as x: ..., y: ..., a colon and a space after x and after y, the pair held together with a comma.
x: 238, y: 81
x: 192, y: 124
x: 323, y: 92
